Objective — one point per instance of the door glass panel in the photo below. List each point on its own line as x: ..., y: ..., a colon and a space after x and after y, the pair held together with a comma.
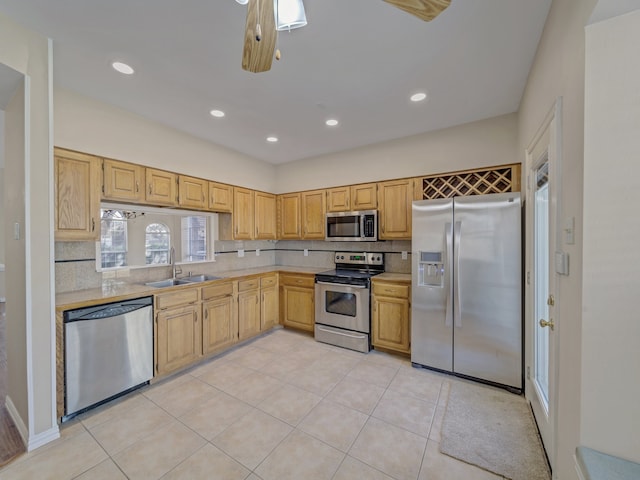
x: 341, y: 303
x: 541, y: 262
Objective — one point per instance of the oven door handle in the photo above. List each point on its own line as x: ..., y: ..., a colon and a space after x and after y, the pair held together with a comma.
x: 360, y: 337
x: 340, y: 285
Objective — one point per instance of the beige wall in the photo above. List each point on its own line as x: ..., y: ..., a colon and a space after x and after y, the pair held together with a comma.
x: 90, y: 126
x: 29, y: 53
x: 484, y: 143
x: 16, y: 314
x: 610, y: 414
x: 558, y: 70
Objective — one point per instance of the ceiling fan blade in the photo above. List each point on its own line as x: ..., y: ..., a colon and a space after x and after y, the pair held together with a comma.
x: 425, y: 10
x: 257, y: 56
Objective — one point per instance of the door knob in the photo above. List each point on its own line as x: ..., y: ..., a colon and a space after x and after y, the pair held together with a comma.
x: 544, y: 323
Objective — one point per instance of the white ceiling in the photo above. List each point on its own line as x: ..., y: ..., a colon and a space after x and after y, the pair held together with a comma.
x: 356, y: 60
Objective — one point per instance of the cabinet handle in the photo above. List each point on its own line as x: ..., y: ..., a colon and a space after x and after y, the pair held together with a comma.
x: 202, y: 197
x: 150, y: 189
x: 93, y: 224
x: 206, y: 314
x: 137, y: 187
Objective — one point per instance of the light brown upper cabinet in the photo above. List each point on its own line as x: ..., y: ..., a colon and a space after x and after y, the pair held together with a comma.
x: 122, y: 181
x: 314, y: 207
x: 394, y: 205
x: 289, y: 216
x: 77, y: 195
x: 265, y: 216
x: 220, y: 197
x: 243, y: 213
x: 352, y: 197
x: 193, y: 192
x: 161, y: 187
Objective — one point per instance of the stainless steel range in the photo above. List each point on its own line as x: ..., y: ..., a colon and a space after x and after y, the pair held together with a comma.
x: 343, y: 300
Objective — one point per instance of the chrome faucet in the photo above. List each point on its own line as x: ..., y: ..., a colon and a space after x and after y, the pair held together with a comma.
x: 174, y: 268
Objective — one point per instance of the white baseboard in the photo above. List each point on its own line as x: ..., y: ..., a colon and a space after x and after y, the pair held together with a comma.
x: 42, y: 438
x: 17, y: 419
x: 581, y: 475
x: 34, y: 441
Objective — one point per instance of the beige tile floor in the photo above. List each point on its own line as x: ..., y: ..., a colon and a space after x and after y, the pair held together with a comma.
x: 280, y: 407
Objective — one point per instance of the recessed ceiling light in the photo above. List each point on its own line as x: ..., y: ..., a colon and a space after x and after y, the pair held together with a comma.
x: 332, y: 122
x: 217, y: 113
x: 418, y: 97
x: 272, y: 139
x: 122, y: 68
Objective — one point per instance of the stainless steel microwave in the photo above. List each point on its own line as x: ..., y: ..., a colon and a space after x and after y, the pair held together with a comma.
x: 360, y: 226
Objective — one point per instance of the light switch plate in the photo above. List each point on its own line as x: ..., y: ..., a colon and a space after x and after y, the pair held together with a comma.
x: 306, y: 252
x: 569, y: 230
x: 404, y: 255
x: 257, y: 252
x: 562, y: 263
x: 240, y: 252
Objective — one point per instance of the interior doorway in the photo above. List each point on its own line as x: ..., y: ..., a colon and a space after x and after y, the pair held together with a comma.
x: 541, y: 223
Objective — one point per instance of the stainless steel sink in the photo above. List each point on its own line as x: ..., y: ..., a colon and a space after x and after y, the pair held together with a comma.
x: 199, y: 278
x: 169, y: 282
x: 172, y: 282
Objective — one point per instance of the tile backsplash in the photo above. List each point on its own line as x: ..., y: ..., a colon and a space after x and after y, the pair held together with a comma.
x: 75, y: 262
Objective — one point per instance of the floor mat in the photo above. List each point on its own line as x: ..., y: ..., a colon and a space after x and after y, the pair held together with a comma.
x: 494, y: 430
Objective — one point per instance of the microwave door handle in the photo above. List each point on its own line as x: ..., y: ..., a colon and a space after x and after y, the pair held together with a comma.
x: 361, y: 226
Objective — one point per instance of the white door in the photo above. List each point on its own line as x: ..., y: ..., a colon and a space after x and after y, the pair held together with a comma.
x: 542, y: 207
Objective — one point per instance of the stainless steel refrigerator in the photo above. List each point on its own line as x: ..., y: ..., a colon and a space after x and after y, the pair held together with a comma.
x: 466, y: 302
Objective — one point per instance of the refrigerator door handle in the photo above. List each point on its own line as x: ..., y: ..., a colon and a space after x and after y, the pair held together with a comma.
x: 448, y: 319
x: 457, y: 294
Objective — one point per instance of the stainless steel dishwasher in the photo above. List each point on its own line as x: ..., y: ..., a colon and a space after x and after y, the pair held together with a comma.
x: 108, y: 351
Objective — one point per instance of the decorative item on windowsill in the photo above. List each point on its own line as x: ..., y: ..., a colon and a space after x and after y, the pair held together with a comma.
x: 265, y: 18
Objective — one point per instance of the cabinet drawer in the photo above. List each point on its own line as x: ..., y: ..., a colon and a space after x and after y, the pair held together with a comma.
x: 268, y: 281
x: 251, y: 284
x: 180, y: 297
x: 297, y: 280
x: 214, y: 291
x: 391, y: 290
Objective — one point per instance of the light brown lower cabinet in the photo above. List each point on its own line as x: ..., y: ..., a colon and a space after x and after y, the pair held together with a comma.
x: 219, y: 318
x: 269, y: 302
x: 248, y: 308
x: 178, y: 338
x: 297, y: 304
x: 391, y: 316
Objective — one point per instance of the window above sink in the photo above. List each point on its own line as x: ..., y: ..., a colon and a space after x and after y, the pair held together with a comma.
x: 133, y: 236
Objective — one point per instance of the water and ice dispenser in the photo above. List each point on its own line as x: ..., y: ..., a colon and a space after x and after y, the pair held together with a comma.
x: 431, y: 269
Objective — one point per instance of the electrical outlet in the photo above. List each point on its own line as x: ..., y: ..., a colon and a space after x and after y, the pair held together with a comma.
x: 257, y: 252
x: 404, y: 255
x: 240, y: 252
x: 306, y: 252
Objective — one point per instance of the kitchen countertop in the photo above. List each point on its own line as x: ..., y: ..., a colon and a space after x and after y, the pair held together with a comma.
x: 117, y: 291
x: 393, y: 277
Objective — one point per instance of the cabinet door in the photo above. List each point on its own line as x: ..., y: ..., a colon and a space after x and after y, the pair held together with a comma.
x: 248, y: 314
x: 297, y: 308
x: 219, y: 324
x: 220, y: 197
x: 122, y: 181
x: 178, y: 337
x: 364, y: 197
x: 265, y: 216
x: 390, y: 323
x: 77, y: 196
x: 269, y: 308
x: 161, y: 187
x: 313, y: 214
x: 394, y: 202
x: 338, y: 199
x: 193, y: 192
x: 289, y: 216
x: 243, y: 213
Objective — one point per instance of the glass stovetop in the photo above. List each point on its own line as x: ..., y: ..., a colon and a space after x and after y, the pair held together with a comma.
x: 346, y: 273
